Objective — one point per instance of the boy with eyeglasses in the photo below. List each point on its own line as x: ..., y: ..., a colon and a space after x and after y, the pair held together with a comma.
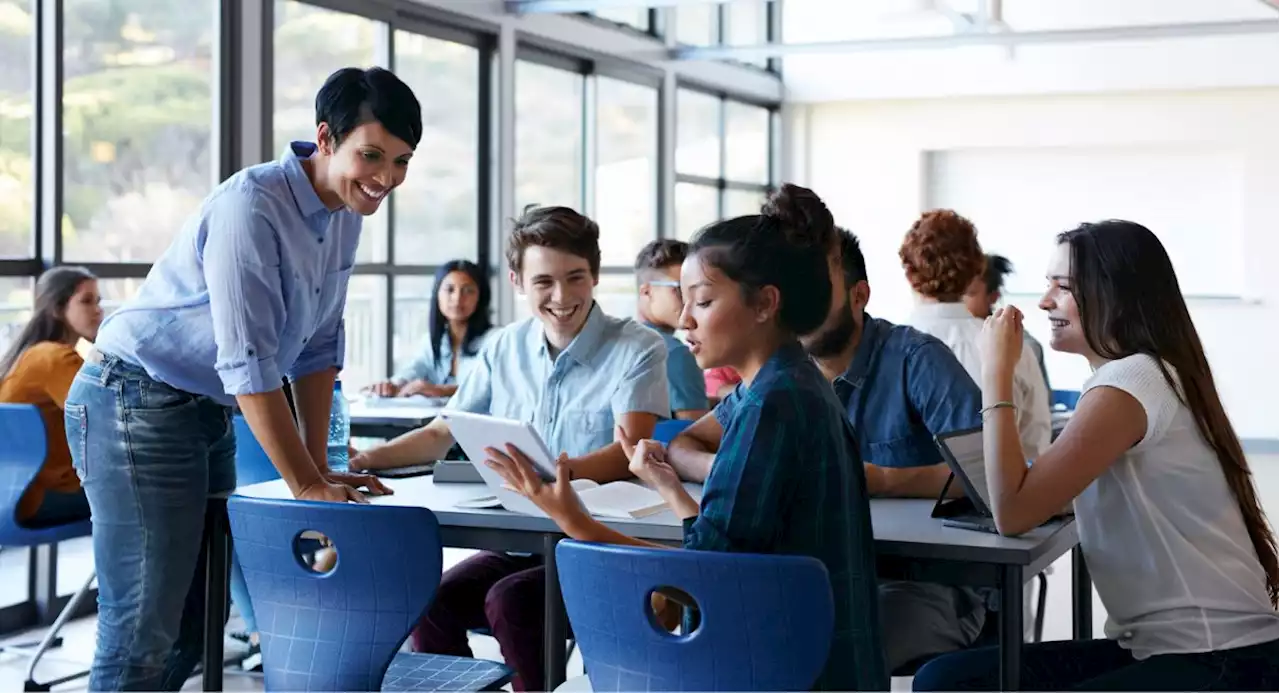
x: 658, y: 305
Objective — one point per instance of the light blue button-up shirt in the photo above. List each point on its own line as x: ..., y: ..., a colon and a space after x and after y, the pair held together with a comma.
x: 436, y: 370
x: 614, y: 366
x: 253, y: 287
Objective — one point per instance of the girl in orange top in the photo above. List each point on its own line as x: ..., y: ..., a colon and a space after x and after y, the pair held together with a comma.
x: 38, y: 369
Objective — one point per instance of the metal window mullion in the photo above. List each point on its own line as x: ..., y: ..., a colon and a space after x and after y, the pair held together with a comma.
x: 47, y: 132
x: 590, y: 143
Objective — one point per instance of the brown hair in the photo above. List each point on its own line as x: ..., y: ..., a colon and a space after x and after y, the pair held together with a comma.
x: 1130, y: 303
x: 661, y: 254
x: 941, y: 255
x: 558, y: 228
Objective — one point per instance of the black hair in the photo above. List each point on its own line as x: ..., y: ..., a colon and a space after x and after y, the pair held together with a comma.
x: 479, y: 322
x: 851, y: 259
x: 54, y: 290
x: 785, y: 246
x: 998, y: 267
x: 352, y: 97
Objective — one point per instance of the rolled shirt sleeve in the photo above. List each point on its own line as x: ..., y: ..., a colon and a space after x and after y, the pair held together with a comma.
x: 420, y: 368
x: 475, y: 389
x: 241, y: 264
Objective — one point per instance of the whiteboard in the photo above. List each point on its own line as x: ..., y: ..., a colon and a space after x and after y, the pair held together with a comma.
x: 1190, y: 196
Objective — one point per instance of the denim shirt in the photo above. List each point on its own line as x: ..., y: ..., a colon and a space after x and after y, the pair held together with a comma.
x: 903, y: 388
x: 436, y: 370
x: 252, y: 288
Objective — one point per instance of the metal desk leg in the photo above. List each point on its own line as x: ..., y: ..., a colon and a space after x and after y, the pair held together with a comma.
x: 1081, y: 597
x: 218, y: 546
x: 555, y: 628
x: 1010, y: 627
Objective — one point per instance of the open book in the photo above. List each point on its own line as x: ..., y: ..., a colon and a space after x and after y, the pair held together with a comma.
x: 623, y: 500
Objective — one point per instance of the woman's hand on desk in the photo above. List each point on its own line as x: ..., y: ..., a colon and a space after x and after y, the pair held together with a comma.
x: 558, y: 499
x: 330, y: 493
x: 357, y: 481
x: 385, y: 388
x: 424, y: 388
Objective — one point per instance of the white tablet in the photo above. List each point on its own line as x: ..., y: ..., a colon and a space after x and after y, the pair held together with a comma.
x: 475, y: 432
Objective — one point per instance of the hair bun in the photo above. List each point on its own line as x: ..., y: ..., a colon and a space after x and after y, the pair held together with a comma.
x: 802, y: 216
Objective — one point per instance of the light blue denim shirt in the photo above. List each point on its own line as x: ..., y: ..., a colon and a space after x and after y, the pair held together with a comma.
x: 436, y: 370
x: 253, y: 287
x: 685, y: 383
x: 614, y: 366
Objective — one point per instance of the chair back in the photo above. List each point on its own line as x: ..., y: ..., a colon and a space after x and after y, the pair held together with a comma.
x: 252, y: 464
x: 1065, y: 400
x: 336, y: 631
x: 764, y: 621
x: 23, y: 447
x: 668, y: 429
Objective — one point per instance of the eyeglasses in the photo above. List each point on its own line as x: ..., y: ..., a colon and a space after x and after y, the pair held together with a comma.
x: 668, y: 283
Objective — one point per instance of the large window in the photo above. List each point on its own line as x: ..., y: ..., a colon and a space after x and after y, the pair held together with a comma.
x: 732, y: 23
x: 437, y: 207
x: 549, y: 136
x: 626, y: 174
x: 16, y: 109
x: 15, y: 307
x: 722, y: 159
x: 137, y: 124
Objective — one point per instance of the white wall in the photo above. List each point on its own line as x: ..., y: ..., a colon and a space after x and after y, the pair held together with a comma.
x: 869, y: 160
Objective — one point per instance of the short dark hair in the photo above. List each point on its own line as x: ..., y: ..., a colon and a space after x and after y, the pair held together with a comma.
x: 785, y: 246
x: 558, y: 228
x: 661, y: 254
x: 352, y: 97
x: 851, y: 259
x: 998, y: 267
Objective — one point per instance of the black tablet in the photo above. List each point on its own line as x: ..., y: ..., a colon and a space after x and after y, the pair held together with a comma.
x: 404, y: 472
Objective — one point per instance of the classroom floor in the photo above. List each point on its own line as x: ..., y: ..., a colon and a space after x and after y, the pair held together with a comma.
x: 75, y: 561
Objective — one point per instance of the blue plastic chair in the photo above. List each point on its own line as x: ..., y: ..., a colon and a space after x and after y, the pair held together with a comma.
x: 765, y: 622
x: 21, y: 457
x: 1065, y: 400
x: 668, y: 429
x: 342, y: 630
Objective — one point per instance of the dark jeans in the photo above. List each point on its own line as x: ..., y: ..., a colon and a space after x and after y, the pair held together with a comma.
x: 59, y: 508
x: 148, y: 456
x: 1102, y: 665
x: 497, y: 591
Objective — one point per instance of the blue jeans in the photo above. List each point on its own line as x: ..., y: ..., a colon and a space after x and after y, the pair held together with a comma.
x: 148, y: 456
x: 1102, y: 665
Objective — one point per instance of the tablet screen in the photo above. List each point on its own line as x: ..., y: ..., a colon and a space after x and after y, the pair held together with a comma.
x: 965, y: 451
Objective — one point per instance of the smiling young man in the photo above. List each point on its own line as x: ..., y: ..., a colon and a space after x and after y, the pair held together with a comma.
x: 572, y: 371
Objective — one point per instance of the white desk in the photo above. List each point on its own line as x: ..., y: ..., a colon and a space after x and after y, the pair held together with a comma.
x: 909, y: 545
x: 390, y: 418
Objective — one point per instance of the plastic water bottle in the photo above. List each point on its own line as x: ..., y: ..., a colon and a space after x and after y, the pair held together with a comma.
x: 339, y: 430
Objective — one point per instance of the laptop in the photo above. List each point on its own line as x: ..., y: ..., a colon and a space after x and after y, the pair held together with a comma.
x: 962, y: 451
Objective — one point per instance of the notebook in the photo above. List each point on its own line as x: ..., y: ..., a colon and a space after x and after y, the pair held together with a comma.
x: 474, y: 432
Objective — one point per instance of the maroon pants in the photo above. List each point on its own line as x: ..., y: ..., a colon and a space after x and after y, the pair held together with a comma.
x: 496, y: 591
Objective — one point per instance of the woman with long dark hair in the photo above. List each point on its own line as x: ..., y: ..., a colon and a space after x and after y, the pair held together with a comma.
x: 38, y: 368
x: 455, y: 332
x: 1169, y: 519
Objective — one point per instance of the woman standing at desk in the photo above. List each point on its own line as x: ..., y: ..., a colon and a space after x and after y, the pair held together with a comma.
x: 253, y: 287
x: 1170, y: 524
x: 459, y: 323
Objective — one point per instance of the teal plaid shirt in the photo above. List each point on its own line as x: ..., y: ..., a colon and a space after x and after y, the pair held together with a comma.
x: 787, y: 480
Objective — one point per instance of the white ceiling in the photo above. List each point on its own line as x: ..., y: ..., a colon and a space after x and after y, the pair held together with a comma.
x: 1117, y: 65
